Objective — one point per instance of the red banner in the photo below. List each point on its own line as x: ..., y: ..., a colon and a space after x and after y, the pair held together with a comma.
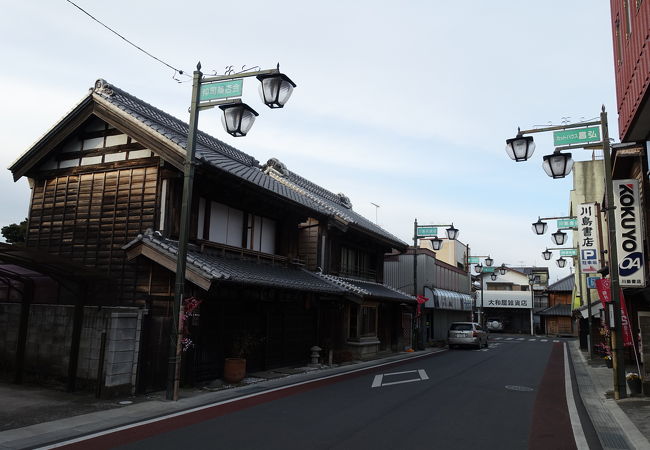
x: 420, y: 299
x: 603, y: 286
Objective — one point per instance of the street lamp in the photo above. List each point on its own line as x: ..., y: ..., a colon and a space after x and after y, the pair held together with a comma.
x: 588, y: 142
x: 520, y: 148
x: 561, y: 262
x: 275, y: 89
x: 427, y: 232
x: 559, y: 237
x: 546, y: 254
x: 503, y: 269
x: 207, y: 93
x: 493, y: 277
x: 238, y: 118
x: 489, y: 261
x: 558, y: 165
x: 540, y: 227
x: 478, y: 268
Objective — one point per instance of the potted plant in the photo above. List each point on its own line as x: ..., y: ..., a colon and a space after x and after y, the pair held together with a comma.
x: 633, y: 383
x: 243, y: 344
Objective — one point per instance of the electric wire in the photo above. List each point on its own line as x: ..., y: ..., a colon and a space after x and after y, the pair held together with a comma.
x: 179, y: 71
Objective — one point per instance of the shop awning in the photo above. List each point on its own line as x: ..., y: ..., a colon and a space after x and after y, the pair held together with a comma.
x: 444, y: 299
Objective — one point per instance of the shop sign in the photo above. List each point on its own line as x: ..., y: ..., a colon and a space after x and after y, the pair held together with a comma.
x: 588, y: 238
x: 629, y: 233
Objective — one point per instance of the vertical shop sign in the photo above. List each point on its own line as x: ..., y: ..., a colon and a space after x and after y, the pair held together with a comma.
x: 629, y: 233
x: 588, y: 239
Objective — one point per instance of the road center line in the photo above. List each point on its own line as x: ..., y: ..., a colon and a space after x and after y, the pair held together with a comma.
x: 578, y: 432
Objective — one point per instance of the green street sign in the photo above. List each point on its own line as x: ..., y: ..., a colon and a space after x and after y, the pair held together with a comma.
x: 567, y: 223
x: 487, y: 269
x: 569, y: 252
x: 576, y: 136
x: 474, y: 259
x: 221, y: 89
x: 427, y: 231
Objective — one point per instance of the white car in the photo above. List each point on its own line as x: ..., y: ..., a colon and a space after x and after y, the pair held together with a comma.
x: 494, y: 325
x: 467, y: 333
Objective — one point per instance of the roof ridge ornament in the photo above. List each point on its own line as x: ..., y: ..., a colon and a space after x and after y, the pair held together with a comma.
x: 277, y: 166
x: 345, y: 200
x: 103, y: 87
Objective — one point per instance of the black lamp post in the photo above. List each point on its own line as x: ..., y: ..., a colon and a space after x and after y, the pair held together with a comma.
x: 238, y: 118
x: 555, y: 167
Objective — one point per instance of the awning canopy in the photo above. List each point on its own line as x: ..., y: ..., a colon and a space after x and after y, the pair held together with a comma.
x: 444, y: 299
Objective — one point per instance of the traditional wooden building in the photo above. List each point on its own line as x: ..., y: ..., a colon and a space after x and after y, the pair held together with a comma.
x: 271, y: 254
x: 558, y: 317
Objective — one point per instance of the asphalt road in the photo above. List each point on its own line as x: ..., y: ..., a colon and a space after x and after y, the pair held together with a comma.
x: 509, y: 396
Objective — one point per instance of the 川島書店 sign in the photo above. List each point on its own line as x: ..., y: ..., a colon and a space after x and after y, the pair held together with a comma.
x: 588, y: 238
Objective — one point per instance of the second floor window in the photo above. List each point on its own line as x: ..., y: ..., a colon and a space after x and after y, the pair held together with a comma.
x: 226, y: 225
x: 356, y: 263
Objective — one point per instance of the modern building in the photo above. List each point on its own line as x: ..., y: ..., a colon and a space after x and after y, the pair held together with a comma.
x: 445, y: 286
x: 510, y: 298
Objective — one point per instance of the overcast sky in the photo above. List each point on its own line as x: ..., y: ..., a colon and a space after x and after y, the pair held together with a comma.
x: 403, y: 105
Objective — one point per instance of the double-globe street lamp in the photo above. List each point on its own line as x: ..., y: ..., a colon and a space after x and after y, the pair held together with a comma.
x: 478, y: 268
x: 428, y: 232
x: 238, y: 118
x: 558, y: 165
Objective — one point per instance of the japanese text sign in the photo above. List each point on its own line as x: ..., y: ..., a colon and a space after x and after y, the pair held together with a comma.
x: 588, y: 238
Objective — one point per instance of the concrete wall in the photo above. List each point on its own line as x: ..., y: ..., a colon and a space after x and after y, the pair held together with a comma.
x: 49, y: 339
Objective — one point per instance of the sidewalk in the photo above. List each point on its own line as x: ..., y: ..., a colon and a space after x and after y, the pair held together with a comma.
x: 620, y: 424
x: 33, y: 417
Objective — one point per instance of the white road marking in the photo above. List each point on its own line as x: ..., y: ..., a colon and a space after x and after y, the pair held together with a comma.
x: 578, y: 432
x: 532, y: 340
x: 556, y: 340
x: 521, y: 339
x: 509, y: 339
x: 544, y: 340
x: 378, y: 381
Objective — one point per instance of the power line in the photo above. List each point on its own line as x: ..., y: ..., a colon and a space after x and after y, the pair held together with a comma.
x: 127, y: 41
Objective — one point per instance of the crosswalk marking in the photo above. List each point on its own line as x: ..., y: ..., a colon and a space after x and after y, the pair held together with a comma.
x: 521, y: 339
x: 509, y: 339
x: 556, y: 340
x: 532, y: 340
x: 544, y: 340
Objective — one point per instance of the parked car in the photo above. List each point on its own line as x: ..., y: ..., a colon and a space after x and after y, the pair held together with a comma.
x: 467, y: 333
x: 494, y: 324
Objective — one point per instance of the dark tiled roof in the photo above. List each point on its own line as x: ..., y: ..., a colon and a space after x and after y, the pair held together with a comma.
x: 220, y: 268
x: 557, y: 310
x: 565, y: 284
x: 221, y: 156
x: 368, y: 289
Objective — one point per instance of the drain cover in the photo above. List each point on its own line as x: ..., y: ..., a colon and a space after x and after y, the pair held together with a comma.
x: 511, y: 387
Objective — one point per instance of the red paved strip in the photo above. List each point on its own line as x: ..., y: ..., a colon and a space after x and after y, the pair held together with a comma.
x: 144, y: 431
x: 551, y: 424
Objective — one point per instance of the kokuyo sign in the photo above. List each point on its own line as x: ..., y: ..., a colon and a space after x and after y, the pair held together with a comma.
x: 629, y: 233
